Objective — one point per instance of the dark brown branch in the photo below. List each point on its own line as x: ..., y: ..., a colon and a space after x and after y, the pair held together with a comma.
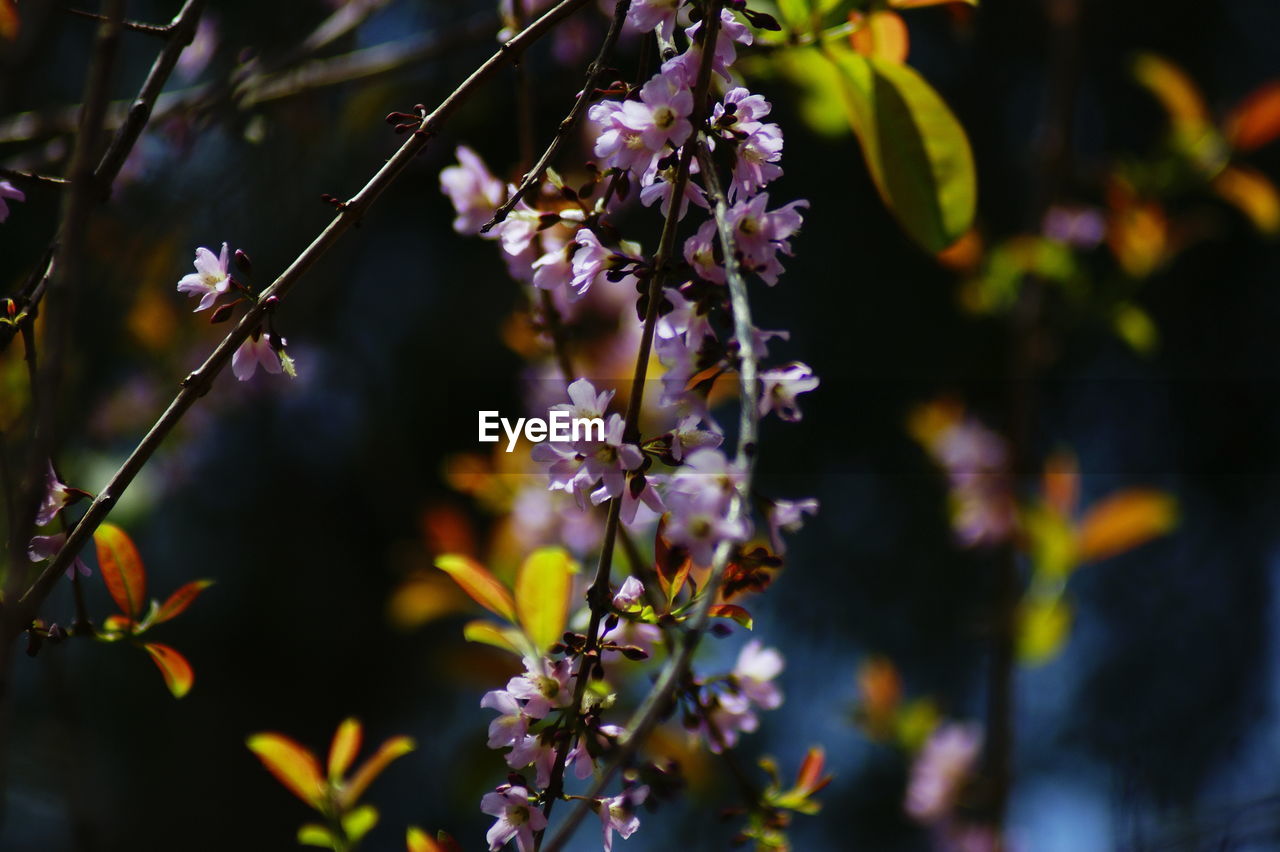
x: 199, y: 382
x: 594, y: 71
x: 132, y: 26
x: 32, y: 177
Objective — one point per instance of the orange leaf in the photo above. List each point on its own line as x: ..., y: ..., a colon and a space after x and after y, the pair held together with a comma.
x: 477, y: 582
x: 732, y: 611
x: 373, y: 767
x: 346, y: 742
x: 180, y: 600
x: 294, y: 766
x: 1253, y: 194
x: 178, y: 674
x: 1123, y: 521
x: 122, y: 569
x: 810, y: 777
x: 1256, y: 121
x: 882, y: 34
x: 1061, y: 483
x: 10, y: 23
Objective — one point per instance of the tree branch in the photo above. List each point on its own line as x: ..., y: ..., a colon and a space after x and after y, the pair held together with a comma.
x: 677, y: 667
x: 199, y: 382
x: 594, y: 70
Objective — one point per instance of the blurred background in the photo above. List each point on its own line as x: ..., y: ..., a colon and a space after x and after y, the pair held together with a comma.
x: 1146, y: 718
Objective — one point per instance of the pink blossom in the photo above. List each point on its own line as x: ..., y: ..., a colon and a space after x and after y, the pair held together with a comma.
x: 645, y: 15
x: 474, y: 191
x: 759, y: 234
x: 619, y: 814
x: 941, y: 769
x: 788, y: 516
x: 780, y: 387
x: 687, y: 437
x: 211, y: 278
x: 545, y: 685
x: 634, y: 132
x: 57, y: 496
x: 256, y: 351
x: 9, y: 192
x: 517, y: 818
x: 732, y: 32
x: 699, y: 494
x: 658, y: 183
x: 512, y: 723
x: 629, y: 595
x: 44, y: 547
x: 754, y: 673
x: 756, y: 163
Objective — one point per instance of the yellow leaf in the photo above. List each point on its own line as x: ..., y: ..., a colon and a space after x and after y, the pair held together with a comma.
x: 373, y: 767
x: 1045, y: 625
x: 1253, y: 194
x: 1175, y: 91
x: 315, y: 835
x: 359, y: 822
x: 488, y: 633
x: 342, y: 751
x: 423, y: 597
x: 1135, y: 328
x: 418, y: 840
x: 542, y: 595
x: 1123, y: 521
x: 483, y: 587
x: 920, y: 4
x: 294, y: 766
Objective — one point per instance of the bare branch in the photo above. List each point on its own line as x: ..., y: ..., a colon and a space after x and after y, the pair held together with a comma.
x: 594, y: 70
x: 199, y: 382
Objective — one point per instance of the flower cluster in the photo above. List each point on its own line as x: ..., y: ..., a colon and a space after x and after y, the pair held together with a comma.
x: 211, y: 281
x: 660, y: 461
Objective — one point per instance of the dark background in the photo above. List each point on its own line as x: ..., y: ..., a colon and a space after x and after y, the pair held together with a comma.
x: 1156, y: 728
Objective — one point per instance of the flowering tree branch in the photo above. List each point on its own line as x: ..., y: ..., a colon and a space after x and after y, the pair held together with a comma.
x: 677, y: 668
x: 598, y: 593
x: 199, y: 381
x: 594, y: 72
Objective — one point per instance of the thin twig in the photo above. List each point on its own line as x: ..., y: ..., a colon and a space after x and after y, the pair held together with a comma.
x: 594, y: 71
x: 133, y: 26
x: 199, y: 382
x: 33, y: 177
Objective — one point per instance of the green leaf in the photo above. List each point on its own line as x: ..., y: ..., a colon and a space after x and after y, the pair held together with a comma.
x: 360, y: 822
x: 122, y: 569
x: 477, y: 582
x: 542, y: 595
x: 916, y: 150
x: 316, y: 835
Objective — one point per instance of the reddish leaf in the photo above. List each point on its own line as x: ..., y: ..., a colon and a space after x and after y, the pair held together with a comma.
x: 672, y: 564
x: 10, y: 23
x: 881, y: 33
x: 1256, y: 122
x: 346, y: 742
x: 294, y: 767
x: 477, y: 582
x: 178, y: 674
x: 372, y: 768
x: 1123, y: 521
x: 810, y: 777
x: 732, y: 611
x: 180, y: 600
x: 122, y: 569
x: 419, y: 841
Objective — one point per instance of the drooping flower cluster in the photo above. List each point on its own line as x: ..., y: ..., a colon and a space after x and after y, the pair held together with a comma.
x: 662, y: 460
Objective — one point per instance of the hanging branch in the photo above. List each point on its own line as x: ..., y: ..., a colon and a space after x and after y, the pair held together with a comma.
x: 677, y: 668
x: 594, y: 72
x: 598, y: 593
x: 198, y: 382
